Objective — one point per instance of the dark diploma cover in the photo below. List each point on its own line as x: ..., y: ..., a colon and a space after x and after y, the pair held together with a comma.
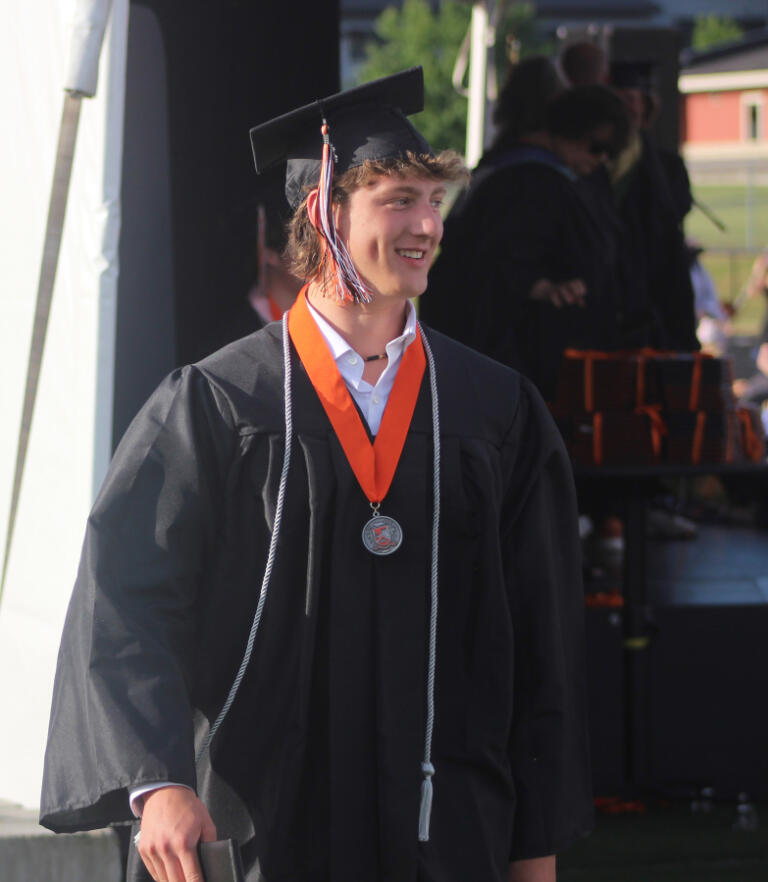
x: 220, y: 861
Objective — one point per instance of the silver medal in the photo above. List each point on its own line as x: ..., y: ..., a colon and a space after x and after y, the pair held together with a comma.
x: 382, y: 535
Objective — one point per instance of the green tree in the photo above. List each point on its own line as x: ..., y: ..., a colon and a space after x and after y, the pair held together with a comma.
x: 519, y: 36
x: 416, y: 34
x: 712, y: 30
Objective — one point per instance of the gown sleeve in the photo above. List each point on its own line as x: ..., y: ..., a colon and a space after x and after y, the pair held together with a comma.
x: 121, y: 713
x: 548, y: 747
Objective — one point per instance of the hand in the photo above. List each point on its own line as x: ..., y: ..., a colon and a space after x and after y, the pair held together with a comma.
x: 534, y: 870
x: 559, y: 294
x: 762, y: 358
x: 173, y: 821
x: 740, y: 388
x: 758, y: 278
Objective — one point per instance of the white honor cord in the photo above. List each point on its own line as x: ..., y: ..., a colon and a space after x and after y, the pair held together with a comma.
x: 425, y: 809
x: 288, y: 400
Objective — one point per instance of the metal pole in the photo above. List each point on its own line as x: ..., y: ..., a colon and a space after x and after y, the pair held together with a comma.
x: 89, y: 21
x: 750, y: 195
x: 57, y: 207
x: 478, y: 68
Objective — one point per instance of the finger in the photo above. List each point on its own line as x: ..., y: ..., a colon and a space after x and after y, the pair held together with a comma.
x: 574, y: 291
x: 564, y: 296
x: 190, y: 866
x: 578, y: 287
x: 576, y: 298
x: 208, y: 831
x: 165, y: 865
x: 542, y: 290
x: 175, y: 868
x: 152, y: 869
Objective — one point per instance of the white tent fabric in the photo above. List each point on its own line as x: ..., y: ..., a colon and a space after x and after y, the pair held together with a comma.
x: 70, y: 441
x: 86, y: 39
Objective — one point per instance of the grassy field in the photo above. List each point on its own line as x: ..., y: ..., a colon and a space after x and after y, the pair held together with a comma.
x: 669, y: 844
x: 730, y: 253
x: 744, y: 214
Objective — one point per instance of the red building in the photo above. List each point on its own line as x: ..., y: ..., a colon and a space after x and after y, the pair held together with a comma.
x: 724, y: 104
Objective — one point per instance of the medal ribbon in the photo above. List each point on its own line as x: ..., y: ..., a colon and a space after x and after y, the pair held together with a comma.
x: 374, y: 464
x: 274, y: 310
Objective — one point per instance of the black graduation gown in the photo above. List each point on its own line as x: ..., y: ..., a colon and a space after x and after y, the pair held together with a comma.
x: 317, y: 767
x: 518, y: 224
x: 638, y: 319
x: 654, y: 249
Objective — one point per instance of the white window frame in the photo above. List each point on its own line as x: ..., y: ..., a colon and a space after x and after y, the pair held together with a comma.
x: 748, y: 100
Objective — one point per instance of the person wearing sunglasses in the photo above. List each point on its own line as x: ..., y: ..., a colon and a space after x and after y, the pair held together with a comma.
x: 528, y: 264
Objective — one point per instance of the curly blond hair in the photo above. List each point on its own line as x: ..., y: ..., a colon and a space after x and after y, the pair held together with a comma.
x: 304, y: 251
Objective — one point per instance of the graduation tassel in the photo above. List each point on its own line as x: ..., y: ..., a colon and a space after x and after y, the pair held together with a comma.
x: 336, y: 259
x: 425, y: 809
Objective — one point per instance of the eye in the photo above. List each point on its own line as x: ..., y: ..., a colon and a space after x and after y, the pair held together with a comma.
x: 437, y: 198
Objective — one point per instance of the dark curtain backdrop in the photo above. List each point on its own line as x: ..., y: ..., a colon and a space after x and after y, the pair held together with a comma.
x: 200, y: 73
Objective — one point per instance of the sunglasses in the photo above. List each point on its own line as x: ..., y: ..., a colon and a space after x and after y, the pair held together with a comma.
x: 601, y: 148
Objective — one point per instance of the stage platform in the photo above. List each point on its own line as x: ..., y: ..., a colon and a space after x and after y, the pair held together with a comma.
x: 29, y: 853
x: 694, y: 713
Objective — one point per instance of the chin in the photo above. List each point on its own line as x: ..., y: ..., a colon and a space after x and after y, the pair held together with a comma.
x: 416, y: 289
x: 406, y: 291
x: 411, y: 292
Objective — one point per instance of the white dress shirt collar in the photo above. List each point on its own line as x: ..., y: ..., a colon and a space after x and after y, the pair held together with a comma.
x: 339, y: 346
x: 370, y: 399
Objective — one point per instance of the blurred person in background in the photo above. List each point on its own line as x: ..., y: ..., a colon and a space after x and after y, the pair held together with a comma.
x: 653, y: 195
x: 648, y: 188
x: 273, y: 287
x: 755, y: 388
x: 584, y: 63
x: 528, y: 266
x: 521, y: 120
x: 711, y: 316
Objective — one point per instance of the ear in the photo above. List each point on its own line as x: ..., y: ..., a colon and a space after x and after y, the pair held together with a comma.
x: 272, y: 257
x: 313, y: 207
x: 312, y: 203
x: 336, y: 209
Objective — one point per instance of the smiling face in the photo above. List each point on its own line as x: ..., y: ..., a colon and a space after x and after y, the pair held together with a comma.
x: 392, y: 227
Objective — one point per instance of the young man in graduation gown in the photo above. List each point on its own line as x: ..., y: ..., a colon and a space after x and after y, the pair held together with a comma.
x: 360, y: 658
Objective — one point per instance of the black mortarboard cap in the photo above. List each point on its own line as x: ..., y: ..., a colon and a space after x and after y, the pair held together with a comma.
x: 633, y: 75
x: 367, y: 122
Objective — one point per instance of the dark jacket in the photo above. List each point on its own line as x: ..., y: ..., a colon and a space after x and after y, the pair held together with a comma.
x: 524, y: 219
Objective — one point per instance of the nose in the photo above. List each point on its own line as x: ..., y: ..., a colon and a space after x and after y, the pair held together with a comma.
x: 428, y: 222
